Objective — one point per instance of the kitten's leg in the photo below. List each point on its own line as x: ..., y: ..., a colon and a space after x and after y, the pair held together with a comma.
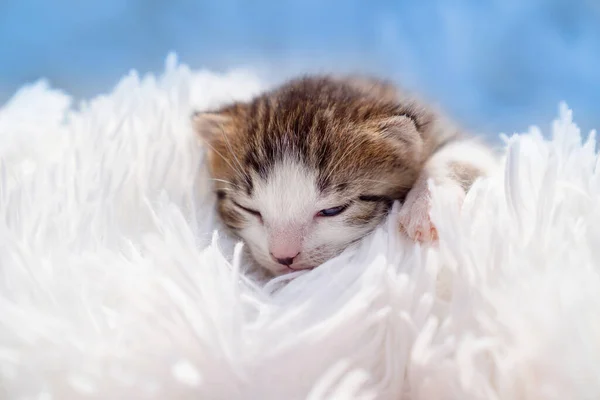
x: 453, y: 169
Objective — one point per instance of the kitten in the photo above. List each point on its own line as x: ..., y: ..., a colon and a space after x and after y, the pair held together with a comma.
x: 306, y: 169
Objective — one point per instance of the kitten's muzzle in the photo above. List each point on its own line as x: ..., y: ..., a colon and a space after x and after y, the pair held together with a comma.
x: 285, y: 246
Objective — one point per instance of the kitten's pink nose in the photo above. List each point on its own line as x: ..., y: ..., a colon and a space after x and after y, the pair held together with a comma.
x: 285, y: 253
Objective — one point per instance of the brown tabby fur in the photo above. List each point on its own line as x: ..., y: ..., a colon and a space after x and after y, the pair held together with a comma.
x: 362, y: 136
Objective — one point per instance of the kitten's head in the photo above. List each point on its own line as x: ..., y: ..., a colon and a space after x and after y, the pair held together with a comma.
x: 305, y: 170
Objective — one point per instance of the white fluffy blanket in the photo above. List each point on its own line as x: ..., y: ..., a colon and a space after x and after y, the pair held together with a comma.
x: 113, y: 285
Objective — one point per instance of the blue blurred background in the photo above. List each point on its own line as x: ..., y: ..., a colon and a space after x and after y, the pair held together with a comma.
x: 496, y: 66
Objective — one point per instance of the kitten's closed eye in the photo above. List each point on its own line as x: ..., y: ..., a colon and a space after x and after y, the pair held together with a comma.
x: 248, y: 210
x: 333, y: 211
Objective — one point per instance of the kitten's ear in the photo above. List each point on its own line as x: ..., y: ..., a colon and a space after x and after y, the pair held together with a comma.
x: 209, y: 125
x: 403, y: 131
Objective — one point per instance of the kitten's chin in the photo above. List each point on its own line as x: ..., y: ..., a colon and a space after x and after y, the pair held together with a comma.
x: 277, y: 269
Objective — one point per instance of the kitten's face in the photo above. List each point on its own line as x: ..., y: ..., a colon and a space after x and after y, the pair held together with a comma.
x: 308, y: 169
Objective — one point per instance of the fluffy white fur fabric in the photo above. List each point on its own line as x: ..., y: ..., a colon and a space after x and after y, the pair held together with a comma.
x: 113, y: 285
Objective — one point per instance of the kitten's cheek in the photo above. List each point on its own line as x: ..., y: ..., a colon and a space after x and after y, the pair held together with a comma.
x: 255, y: 241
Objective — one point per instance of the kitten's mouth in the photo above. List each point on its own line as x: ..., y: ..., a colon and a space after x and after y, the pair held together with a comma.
x: 295, y: 268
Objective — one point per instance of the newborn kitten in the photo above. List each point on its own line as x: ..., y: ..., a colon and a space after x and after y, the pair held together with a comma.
x: 305, y: 170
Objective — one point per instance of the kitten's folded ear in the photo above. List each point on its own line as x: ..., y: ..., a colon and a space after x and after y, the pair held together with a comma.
x: 402, y: 131
x: 209, y: 125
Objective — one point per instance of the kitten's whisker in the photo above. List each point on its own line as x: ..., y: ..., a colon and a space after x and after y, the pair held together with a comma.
x: 224, y: 158
x: 235, y: 158
x: 227, y: 182
x: 221, y: 180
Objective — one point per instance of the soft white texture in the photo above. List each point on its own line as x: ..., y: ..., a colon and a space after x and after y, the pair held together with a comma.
x: 110, y: 287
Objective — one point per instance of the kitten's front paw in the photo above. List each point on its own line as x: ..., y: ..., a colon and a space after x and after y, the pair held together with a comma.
x: 414, y: 216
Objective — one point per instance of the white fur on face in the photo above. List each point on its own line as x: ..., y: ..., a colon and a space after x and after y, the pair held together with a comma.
x: 289, y: 201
